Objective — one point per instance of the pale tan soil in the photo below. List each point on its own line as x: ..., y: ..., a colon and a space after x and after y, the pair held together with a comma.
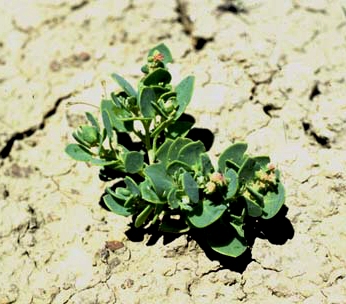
x: 286, y: 58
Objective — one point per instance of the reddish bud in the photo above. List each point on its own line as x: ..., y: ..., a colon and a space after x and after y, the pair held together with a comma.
x: 158, y: 57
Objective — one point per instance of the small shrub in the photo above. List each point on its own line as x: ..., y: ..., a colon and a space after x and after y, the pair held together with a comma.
x: 168, y: 178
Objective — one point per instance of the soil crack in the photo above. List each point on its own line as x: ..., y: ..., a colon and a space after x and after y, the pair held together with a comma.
x: 266, y: 267
x: 324, y: 141
x: 184, y: 19
x: 79, y: 5
x: 5, y: 152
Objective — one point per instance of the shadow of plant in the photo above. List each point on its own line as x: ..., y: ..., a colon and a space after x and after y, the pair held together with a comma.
x: 277, y: 230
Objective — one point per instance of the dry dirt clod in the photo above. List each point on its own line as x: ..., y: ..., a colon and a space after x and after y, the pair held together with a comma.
x: 114, y: 245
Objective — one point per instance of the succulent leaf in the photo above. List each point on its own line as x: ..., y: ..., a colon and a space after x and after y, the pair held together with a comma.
x: 230, y: 244
x: 156, y: 77
x: 176, y: 147
x: 132, y: 186
x: 126, y: 86
x: 205, y: 213
x: 146, y: 97
x: 148, y: 194
x: 253, y: 209
x: 78, y: 152
x: 184, y: 94
x: 115, y: 206
x: 190, y: 187
x: 248, y: 169
x: 143, y: 216
x: 177, y: 165
x: 232, y: 183
x: 133, y: 162
x: 159, y: 178
x: 273, y: 202
x: 162, y: 152
x: 190, y: 153
x: 234, y: 153
x: 93, y: 120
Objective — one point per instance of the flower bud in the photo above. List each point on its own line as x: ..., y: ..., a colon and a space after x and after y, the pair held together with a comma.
x: 271, y: 167
x: 210, y: 187
x: 217, y: 178
x: 89, y: 134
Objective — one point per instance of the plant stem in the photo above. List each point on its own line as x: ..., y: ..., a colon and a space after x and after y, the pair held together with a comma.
x: 151, y: 155
x: 158, y: 130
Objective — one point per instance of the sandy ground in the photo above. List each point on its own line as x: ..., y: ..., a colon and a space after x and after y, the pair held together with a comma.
x: 271, y: 73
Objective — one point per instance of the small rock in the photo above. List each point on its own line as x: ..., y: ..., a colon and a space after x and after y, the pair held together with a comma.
x: 128, y: 283
x: 55, y: 66
x: 84, y: 56
x: 114, y: 245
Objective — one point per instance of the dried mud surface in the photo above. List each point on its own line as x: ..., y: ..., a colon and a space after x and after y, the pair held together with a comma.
x: 271, y: 73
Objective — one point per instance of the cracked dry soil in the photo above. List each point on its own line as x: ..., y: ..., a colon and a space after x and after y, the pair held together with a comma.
x: 271, y: 73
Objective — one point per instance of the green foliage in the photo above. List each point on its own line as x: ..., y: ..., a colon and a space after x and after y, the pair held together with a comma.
x: 168, y: 175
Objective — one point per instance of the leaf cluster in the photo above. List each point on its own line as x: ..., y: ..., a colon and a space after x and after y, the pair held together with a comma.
x: 169, y: 179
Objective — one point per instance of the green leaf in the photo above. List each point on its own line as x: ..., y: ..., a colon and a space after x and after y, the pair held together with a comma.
x: 107, y: 124
x: 118, y: 99
x: 239, y: 228
x: 115, y: 206
x: 115, y: 116
x: 230, y: 244
x: 159, y: 178
x: 253, y: 209
x: 273, y: 201
x: 232, y: 180
x: 132, y: 186
x: 77, y: 136
x: 164, y: 50
x: 157, y: 212
x: 206, y: 166
x: 190, y: 153
x: 247, y: 170
x: 190, y: 187
x: 205, y: 213
x: 130, y: 202
x: 120, y: 193
x: 168, y: 95
x: 133, y: 162
x: 103, y: 162
x: 179, y: 128
x: 162, y: 152
x: 148, y: 194
x: 158, y: 108
x: 78, y: 152
x: 159, y: 91
x: 176, y: 165
x: 146, y: 97
x: 93, y: 120
x: 143, y: 216
x: 234, y: 153
x: 263, y: 161
x: 172, y: 199
x: 130, y: 91
x: 232, y: 165
x: 159, y: 75
x: 176, y: 146
x: 258, y: 197
x: 184, y: 94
